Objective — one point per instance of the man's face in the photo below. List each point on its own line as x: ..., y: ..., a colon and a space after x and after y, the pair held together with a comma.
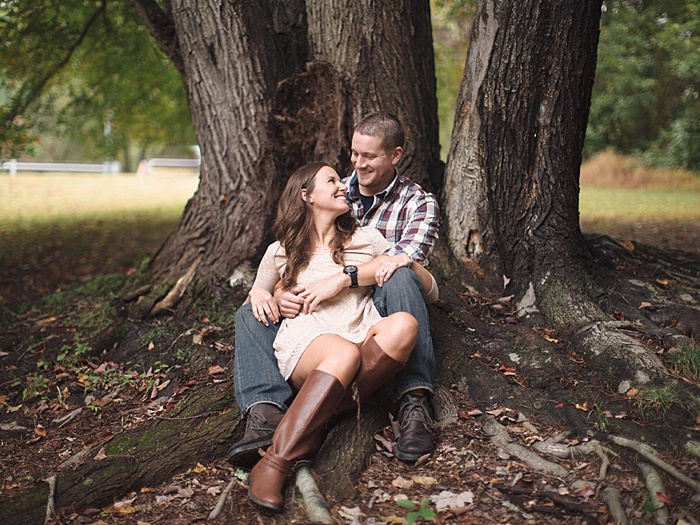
x: 375, y: 165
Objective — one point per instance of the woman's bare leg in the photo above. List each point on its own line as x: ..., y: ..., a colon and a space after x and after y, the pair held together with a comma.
x: 396, y: 334
x: 329, y: 353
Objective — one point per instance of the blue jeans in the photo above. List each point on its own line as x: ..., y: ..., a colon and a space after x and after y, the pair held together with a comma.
x: 257, y: 378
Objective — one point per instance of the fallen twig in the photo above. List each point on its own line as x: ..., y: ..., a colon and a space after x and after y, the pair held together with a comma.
x: 222, y: 499
x: 61, y: 421
x: 52, y: 493
x: 648, y: 452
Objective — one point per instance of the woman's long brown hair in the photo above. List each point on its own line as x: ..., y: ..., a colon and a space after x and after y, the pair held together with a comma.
x: 293, y: 228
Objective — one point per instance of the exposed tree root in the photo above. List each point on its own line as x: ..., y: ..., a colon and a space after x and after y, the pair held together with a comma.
x: 611, y: 497
x: 314, y: 502
x: 655, y: 487
x: 170, y: 300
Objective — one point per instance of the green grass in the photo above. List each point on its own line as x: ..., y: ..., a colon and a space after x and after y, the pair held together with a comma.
x: 33, y: 201
x: 644, y: 203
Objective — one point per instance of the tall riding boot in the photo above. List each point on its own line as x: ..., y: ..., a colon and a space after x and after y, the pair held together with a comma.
x: 376, y: 370
x: 299, y: 435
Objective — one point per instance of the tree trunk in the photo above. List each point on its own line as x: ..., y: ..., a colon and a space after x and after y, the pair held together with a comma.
x: 511, y: 189
x: 273, y: 85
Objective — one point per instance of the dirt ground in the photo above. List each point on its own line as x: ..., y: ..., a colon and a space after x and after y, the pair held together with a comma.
x: 467, y: 479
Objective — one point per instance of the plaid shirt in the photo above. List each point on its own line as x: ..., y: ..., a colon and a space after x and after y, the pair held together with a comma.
x: 404, y: 213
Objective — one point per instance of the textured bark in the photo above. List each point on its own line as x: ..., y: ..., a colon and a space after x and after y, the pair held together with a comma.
x: 273, y: 85
x: 136, y: 459
x: 511, y: 189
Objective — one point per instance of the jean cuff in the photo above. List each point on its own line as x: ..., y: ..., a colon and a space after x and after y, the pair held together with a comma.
x: 281, y: 406
x: 414, y: 386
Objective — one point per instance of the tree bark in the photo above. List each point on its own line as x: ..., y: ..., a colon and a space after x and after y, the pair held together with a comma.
x: 511, y: 189
x: 273, y: 85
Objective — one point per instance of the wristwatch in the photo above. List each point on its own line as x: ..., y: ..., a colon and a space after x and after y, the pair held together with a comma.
x: 352, y: 272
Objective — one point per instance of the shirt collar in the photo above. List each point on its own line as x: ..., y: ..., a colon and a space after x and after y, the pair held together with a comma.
x: 354, y: 187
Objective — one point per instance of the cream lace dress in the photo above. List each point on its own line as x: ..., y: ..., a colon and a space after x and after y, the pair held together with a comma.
x: 350, y: 314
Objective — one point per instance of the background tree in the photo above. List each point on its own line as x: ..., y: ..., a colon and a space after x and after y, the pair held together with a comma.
x: 88, y: 78
x: 646, y: 92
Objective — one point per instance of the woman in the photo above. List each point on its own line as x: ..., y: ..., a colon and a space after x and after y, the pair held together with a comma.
x: 339, y: 336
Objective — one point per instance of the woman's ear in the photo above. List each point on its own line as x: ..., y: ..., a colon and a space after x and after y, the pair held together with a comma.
x: 303, y: 195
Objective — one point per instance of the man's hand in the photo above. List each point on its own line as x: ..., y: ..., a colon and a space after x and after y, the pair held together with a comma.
x: 264, y: 306
x: 388, y: 264
x: 319, y: 291
x: 290, y: 302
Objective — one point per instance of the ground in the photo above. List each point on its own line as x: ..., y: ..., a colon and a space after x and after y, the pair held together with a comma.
x: 47, y: 418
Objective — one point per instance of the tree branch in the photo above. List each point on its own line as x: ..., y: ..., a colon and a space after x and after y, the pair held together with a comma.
x: 162, y: 27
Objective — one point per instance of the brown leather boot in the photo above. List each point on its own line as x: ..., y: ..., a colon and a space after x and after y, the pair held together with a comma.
x: 376, y: 370
x: 299, y: 435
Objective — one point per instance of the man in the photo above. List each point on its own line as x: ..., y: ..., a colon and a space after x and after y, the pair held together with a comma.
x: 408, y: 217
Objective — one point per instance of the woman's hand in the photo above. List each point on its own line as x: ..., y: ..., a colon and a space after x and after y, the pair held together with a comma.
x: 388, y: 264
x: 264, y: 306
x: 290, y: 302
x: 319, y: 291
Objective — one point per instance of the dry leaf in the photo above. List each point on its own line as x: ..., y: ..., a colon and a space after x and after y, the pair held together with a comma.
x: 39, y: 430
x: 101, y: 456
x: 583, y: 407
x: 448, y: 500
x: 632, y: 392
x: 401, y: 483
x: 10, y: 409
x: 216, y: 369
x: 151, y: 346
x: 199, y: 468
x: 663, y: 498
x: 424, y: 480
x: 645, y: 304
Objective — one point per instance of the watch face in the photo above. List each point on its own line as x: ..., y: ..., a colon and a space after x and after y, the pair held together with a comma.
x: 350, y: 269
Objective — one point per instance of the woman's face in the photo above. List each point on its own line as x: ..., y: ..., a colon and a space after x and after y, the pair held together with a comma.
x: 329, y: 193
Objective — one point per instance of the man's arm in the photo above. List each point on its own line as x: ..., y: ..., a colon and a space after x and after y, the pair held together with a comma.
x: 419, y: 229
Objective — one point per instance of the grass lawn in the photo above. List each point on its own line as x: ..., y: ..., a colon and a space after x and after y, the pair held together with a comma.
x: 66, y: 228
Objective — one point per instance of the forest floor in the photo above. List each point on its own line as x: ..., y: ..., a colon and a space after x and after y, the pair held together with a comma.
x: 47, y: 418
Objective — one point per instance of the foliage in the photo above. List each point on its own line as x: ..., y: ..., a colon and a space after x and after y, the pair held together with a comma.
x: 451, y: 21
x: 89, y: 73
x: 422, y: 511
x: 646, y: 94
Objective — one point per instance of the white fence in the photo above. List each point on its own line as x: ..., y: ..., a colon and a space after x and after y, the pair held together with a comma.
x: 108, y: 168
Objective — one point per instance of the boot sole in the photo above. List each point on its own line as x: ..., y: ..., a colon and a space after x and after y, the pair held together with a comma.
x: 407, y: 456
x: 247, y: 455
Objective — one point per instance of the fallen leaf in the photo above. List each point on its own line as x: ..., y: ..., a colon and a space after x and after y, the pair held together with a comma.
x: 645, y: 304
x: 663, y: 498
x: 216, y: 369
x: 402, y: 483
x: 583, y: 407
x: 199, y: 468
x: 101, y: 455
x: 214, y: 491
x: 10, y: 409
x: 424, y: 480
x: 39, y: 430
x: 559, y: 405
x: 151, y: 346
x: 448, y: 500
x: 632, y: 392
x: 197, y: 339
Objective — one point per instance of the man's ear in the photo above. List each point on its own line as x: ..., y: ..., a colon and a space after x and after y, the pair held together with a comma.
x: 396, y: 155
